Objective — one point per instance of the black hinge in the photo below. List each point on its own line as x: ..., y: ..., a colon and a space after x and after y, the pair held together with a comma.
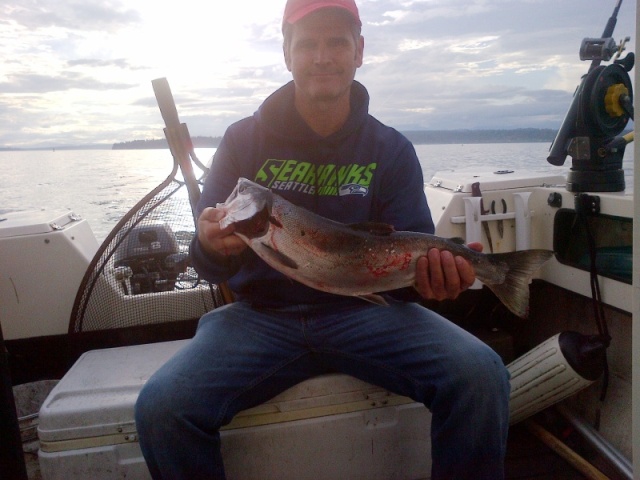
x: 587, y: 204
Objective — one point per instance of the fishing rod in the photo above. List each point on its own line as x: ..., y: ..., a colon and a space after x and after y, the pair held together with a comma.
x: 600, y: 110
x: 606, y: 44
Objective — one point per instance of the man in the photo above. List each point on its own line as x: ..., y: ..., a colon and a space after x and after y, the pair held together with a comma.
x: 314, y: 143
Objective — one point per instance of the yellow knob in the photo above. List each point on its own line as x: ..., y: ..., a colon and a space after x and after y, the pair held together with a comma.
x: 612, y: 99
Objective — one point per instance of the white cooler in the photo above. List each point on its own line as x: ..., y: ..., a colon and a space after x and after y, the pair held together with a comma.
x: 329, y: 427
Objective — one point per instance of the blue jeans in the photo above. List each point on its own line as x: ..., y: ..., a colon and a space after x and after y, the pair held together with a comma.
x: 241, y: 357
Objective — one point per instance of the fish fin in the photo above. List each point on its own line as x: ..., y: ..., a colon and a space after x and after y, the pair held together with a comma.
x: 457, y: 240
x: 374, y: 298
x: 374, y: 228
x: 279, y: 257
x: 520, y: 267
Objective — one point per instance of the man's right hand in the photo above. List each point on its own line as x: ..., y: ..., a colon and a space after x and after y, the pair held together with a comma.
x: 216, y: 240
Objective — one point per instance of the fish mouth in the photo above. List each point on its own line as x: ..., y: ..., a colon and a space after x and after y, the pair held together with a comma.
x: 249, y: 209
x: 245, y: 206
x: 256, y: 226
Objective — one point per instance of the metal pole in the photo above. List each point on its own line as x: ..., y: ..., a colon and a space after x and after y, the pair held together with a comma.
x: 635, y: 350
x: 12, y: 463
x: 597, y: 441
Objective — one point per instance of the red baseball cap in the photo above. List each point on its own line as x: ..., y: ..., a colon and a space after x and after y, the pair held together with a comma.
x: 297, y: 9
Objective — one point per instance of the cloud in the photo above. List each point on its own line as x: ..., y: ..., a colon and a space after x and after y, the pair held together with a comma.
x: 34, y: 83
x: 121, y: 63
x: 77, y: 70
x: 79, y: 15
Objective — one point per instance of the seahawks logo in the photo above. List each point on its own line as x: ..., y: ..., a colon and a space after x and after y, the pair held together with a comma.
x: 353, y: 189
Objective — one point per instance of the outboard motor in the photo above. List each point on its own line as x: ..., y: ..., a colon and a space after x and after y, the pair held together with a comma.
x: 149, y: 259
x: 600, y: 110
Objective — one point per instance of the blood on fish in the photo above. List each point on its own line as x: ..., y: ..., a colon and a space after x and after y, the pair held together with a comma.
x: 392, y: 263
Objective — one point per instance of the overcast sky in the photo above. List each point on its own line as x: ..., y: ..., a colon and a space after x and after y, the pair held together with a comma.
x: 78, y: 72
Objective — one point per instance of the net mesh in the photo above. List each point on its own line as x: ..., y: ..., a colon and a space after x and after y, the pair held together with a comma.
x: 141, y: 275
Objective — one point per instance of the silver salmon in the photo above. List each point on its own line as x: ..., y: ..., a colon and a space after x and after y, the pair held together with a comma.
x: 360, y: 260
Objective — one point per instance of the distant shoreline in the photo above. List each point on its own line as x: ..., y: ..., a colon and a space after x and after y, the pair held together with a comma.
x: 417, y: 137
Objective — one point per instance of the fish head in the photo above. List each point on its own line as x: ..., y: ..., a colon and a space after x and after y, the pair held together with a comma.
x: 248, y: 208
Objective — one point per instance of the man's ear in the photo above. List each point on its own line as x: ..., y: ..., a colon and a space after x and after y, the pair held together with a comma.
x: 360, y: 51
x: 287, y: 57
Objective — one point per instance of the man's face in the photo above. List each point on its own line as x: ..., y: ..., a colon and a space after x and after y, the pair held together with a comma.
x: 323, y: 55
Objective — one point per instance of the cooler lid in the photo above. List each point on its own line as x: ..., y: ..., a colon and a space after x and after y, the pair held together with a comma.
x: 16, y: 224
x: 495, y: 179
x: 97, y: 395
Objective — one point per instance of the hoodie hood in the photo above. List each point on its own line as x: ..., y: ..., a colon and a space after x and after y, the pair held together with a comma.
x: 279, y: 117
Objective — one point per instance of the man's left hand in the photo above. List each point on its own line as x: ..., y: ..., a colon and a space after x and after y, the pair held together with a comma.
x: 440, y: 275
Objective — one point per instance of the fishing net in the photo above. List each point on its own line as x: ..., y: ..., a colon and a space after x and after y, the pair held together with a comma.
x: 140, y: 278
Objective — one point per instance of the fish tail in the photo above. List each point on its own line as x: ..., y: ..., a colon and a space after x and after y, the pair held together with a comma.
x: 518, y: 268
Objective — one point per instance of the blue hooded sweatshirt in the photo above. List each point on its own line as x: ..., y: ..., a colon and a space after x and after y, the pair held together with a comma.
x: 365, y: 172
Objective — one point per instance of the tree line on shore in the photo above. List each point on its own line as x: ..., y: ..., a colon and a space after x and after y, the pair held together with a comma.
x: 418, y: 137
x: 198, y: 142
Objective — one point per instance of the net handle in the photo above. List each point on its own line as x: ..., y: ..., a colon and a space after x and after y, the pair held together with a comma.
x: 178, y: 138
x: 181, y: 146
